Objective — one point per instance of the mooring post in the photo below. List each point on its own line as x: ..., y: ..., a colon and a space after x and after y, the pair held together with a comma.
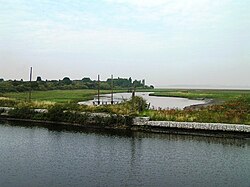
x: 112, y: 93
x: 133, y: 92
x: 29, y: 99
x: 133, y: 96
x: 98, y: 94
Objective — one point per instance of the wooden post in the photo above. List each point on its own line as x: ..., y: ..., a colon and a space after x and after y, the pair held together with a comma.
x: 133, y: 92
x: 29, y: 99
x: 112, y: 93
x: 98, y: 95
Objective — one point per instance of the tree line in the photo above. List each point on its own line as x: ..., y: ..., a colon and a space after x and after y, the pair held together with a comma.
x: 67, y: 84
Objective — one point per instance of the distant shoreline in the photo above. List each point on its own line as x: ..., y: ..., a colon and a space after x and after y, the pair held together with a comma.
x: 247, y: 88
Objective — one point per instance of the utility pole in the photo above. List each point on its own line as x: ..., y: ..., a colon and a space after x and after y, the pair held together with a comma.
x: 112, y: 93
x: 29, y: 99
x: 98, y: 95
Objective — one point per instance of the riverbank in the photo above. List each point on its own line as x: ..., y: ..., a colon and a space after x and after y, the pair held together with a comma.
x: 208, y: 102
x: 192, y: 128
x: 145, y: 125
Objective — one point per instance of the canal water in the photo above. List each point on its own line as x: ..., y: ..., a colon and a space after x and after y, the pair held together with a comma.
x: 155, y: 102
x: 40, y: 156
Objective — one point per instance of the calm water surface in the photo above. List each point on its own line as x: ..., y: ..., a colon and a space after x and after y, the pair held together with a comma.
x: 155, y: 102
x: 38, y: 156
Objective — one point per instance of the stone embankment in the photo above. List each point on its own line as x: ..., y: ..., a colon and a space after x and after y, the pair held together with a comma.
x: 144, y: 121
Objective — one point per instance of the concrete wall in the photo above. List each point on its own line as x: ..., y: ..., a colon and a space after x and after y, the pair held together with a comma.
x: 144, y: 121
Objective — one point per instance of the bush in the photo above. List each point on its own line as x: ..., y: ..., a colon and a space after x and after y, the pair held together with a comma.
x: 6, y: 102
x: 22, y: 112
x: 56, y: 113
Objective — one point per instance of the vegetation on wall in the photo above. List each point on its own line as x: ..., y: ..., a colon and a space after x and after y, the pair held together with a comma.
x: 120, y: 114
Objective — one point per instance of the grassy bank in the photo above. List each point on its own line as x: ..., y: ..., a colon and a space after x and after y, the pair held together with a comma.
x: 58, y: 96
x: 235, y: 111
x: 119, y: 115
x: 219, y: 95
x: 233, y: 106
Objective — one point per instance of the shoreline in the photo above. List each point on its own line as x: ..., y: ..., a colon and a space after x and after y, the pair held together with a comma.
x: 208, y: 102
x: 144, y: 125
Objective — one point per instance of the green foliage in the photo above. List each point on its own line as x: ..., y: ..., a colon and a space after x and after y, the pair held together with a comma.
x: 222, y: 95
x: 6, y: 102
x: 23, y: 112
x: 86, y: 79
x: 59, y: 96
x: 56, y: 113
x: 138, y: 103
x: 65, y: 84
x: 38, y: 79
x: 62, y: 113
x: 131, y: 107
x: 66, y: 80
x: 234, y: 111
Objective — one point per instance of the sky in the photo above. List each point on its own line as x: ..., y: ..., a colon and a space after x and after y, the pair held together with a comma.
x: 166, y: 42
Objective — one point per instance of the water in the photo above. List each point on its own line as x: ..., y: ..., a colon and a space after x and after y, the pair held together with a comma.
x: 39, y: 156
x: 155, y: 102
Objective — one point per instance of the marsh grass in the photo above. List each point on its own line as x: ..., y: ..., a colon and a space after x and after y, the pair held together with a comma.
x: 222, y: 95
x: 233, y: 111
x: 74, y: 113
x: 58, y: 96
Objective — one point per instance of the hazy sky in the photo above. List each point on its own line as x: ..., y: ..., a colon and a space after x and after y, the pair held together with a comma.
x: 167, y: 42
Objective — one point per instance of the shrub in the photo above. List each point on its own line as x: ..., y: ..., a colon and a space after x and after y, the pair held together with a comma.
x: 56, y: 113
x: 22, y: 112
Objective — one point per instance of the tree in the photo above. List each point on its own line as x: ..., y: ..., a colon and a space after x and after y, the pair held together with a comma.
x: 137, y: 83
x: 143, y: 82
x: 38, y: 79
x: 86, y: 79
x: 66, y: 80
x: 130, y: 80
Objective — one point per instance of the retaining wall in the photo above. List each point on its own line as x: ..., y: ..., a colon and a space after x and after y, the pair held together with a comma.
x: 144, y: 121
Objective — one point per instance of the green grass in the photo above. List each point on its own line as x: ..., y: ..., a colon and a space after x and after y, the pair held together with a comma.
x: 233, y: 106
x: 58, y: 96
x: 233, y: 111
x: 220, y: 95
